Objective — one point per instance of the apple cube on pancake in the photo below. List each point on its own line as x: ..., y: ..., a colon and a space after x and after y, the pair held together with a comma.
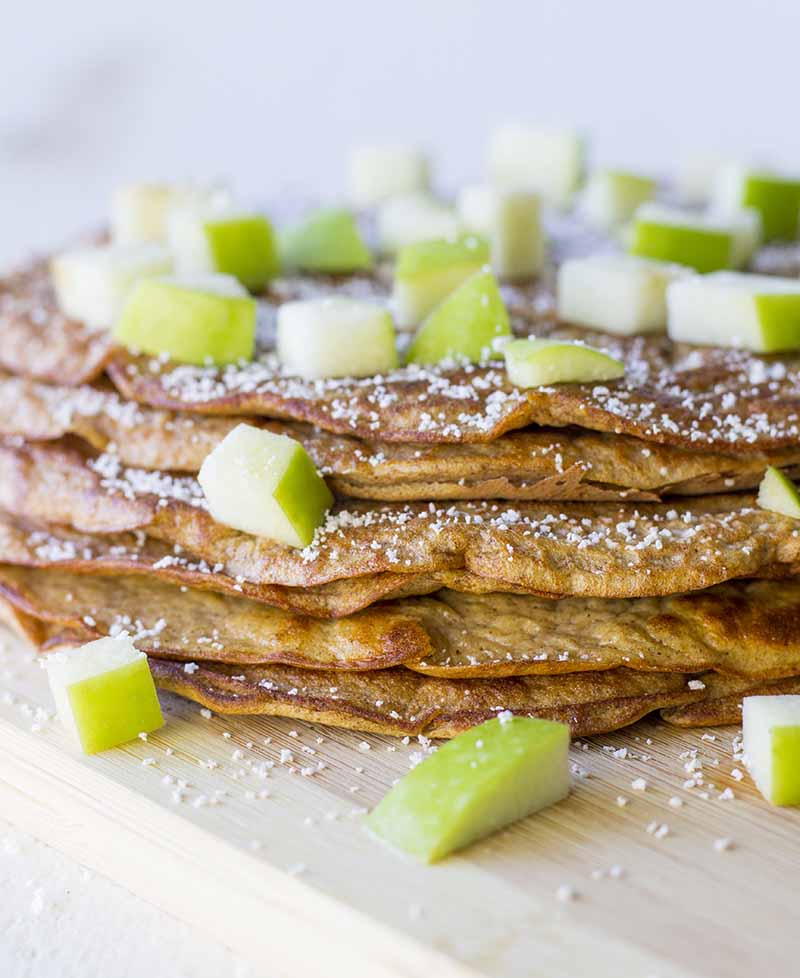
x: 104, y: 693
x: 92, y: 284
x: 538, y: 363
x: 327, y: 241
x: 205, y: 320
x: 376, y: 173
x: 410, y: 218
x: 754, y: 312
x: 465, y: 326
x: 611, y: 197
x: 775, y: 197
x: 547, y: 161
x: 335, y: 337
x: 139, y: 211
x: 510, y: 221
x: 779, y: 494
x: 428, y: 271
x: 265, y: 484
x: 477, y: 783
x: 696, y: 177
x: 771, y: 731
x: 615, y: 293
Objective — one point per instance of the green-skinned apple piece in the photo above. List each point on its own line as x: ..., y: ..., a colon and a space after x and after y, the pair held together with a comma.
x: 405, y: 220
x: 479, y: 782
x: 548, y: 161
x: 774, y: 196
x: 510, y: 221
x: 140, y: 211
x: 428, y: 271
x: 209, y: 320
x: 92, y: 284
x: 754, y: 312
x: 377, y: 173
x: 327, y: 241
x: 104, y: 693
x: 779, y: 494
x: 611, y: 197
x: 771, y: 734
x: 465, y: 326
x: 633, y: 293
x: 265, y: 484
x: 335, y: 337
x: 537, y: 363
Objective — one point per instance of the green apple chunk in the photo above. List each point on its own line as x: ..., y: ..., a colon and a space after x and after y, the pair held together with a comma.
x: 376, y: 173
x: 771, y: 732
x: 140, y: 211
x: 405, y: 220
x: 265, y: 484
x: 465, y: 326
x: 327, y: 241
x: 611, y: 197
x: 633, y: 292
x: 537, y: 363
x: 428, y: 271
x: 549, y: 162
x: 335, y: 337
x: 209, y: 320
x: 775, y: 197
x: 779, y: 494
x: 510, y: 221
x: 754, y: 312
x: 479, y: 782
x: 104, y: 693
x: 92, y: 284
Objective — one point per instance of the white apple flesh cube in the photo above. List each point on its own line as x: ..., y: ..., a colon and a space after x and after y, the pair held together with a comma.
x: 104, y: 693
x: 616, y: 293
x: 92, y: 284
x: 409, y: 218
x: 696, y: 177
x: 775, y: 196
x: 377, y: 173
x: 549, y: 162
x: 510, y: 221
x: 754, y: 312
x: 611, y: 197
x: 771, y: 734
x: 265, y: 484
x: 335, y: 337
x: 139, y: 211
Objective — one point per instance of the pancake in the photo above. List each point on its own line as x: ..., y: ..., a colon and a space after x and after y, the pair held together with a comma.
x: 722, y: 700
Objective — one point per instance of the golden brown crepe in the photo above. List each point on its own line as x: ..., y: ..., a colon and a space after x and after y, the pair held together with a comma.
x: 721, y: 703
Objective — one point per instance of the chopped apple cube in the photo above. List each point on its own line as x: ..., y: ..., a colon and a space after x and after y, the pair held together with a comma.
x: 405, y: 220
x: 428, y: 271
x: 538, y: 363
x: 549, y: 162
x: 481, y: 781
x: 104, y: 693
x: 140, y: 211
x: 92, y: 284
x: 335, y: 337
x: 696, y: 177
x: 779, y: 494
x: 771, y: 732
x: 204, y: 320
x: 616, y: 293
x: 326, y: 241
x: 754, y: 312
x: 466, y: 325
x: 510, y: 221
x: 377, y: 173
x: 774, y: 196
x: 611, y: 197
x: 265, y: 484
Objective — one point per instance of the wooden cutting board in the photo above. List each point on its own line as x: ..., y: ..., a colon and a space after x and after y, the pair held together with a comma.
x: 264, y: 850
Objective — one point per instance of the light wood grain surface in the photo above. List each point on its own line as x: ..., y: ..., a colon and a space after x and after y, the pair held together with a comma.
x: 266, y: 851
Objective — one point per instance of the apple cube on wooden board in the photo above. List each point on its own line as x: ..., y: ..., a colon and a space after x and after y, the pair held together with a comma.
x: 616, y: 293
x: 779, y: 494
x: 547, y: 161
x: 538, y: 363
x: 465, y: 325
x: 771, y: 733
x: 510, y: 221
x: 205, y: 320
x: 376, y: 173
x: 265, y: 484
x: 104, y: 693
x: 611, y: 197
x: 410, y: 218
x: 335, y: 337
x: 428, y: 271
x: 775, y: 197
x: 140, y: 211
x: 327, y: 241
x: 755, y: 312
x: 480, y: 781
x: 92, y: 284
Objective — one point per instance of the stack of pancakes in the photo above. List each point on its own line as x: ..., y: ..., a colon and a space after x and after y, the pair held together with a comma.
x: 589, y: 553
